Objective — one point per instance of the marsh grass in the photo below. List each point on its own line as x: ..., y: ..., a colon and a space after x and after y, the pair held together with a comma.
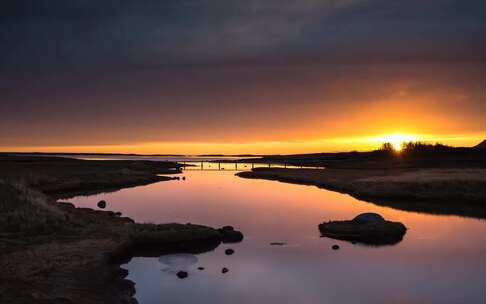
x: 431, y: 184
x: 23, y: 209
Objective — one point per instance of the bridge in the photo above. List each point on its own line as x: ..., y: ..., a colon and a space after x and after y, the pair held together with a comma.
x: 233, y: 166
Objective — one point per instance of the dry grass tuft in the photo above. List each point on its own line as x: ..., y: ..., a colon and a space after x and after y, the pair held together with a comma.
x: 25, y: 210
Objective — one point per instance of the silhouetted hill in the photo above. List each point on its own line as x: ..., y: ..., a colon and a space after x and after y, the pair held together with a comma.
x: 412, y: 155
x: 482, y: 145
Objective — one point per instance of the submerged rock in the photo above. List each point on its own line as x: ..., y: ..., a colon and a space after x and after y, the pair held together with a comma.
x: 229, y: 251
x: 335, y: 247
x: 278, y: 244
x: 200, y: 268
x: 366, y: 228
x: 102, y: 204
x: 224, y: 270
x: 182, y: 274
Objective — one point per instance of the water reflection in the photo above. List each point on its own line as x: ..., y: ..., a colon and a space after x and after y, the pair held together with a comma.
x: 440, y: 260
x: 172, y: 263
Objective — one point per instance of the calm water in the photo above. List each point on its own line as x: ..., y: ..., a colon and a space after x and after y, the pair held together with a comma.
x: 442, y: 259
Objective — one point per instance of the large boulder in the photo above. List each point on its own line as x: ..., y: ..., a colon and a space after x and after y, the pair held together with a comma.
x: 366, y: 228
x: 369, y: 217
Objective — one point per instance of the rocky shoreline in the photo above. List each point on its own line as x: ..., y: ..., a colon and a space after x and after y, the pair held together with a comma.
x: 53, y: 252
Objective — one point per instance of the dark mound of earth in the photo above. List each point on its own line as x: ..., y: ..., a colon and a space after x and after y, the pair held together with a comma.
x: 366, y: 228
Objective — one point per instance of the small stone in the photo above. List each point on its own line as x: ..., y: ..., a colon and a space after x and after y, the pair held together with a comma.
x: 229, y: 251
x: 224, y: 270
x: 182, y: 274
x: 102, y: 204
x: 183, y: 178
x: 335, y: 247
x: 278, y: 244
x: 200, y: 268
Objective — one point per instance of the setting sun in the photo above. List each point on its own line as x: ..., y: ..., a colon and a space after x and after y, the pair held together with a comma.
x: 397, y: 139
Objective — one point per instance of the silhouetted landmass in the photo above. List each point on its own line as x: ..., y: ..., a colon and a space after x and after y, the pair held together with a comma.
x: 482, y: 145
x: 413, y: 155
x: 81, y: 154
x: 230, y: 155
x: 60, y: 154
x: 56, y: 253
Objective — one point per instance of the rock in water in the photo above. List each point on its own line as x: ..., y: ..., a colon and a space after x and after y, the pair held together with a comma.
x: 224, y: 270
x: 200, y: 268
x: 102, y: 204
x: 335, y: 247
x: 182, y: 274
x: 229, y: 235
x: 229, y: 251
x: 366, y: 228
x: 369, y: 217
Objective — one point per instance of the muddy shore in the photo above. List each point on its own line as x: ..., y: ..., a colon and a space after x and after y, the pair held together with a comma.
x: 456, y: 191
x: 53, y: 252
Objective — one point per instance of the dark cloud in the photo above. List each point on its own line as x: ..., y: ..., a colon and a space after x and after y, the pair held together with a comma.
x: 59, y: 33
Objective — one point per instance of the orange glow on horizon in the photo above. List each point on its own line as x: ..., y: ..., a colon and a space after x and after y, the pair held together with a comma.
x: 363, y: 143
x: 397, y: 139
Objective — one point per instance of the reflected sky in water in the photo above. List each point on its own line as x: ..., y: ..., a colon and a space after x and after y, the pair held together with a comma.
x: 440, y: 260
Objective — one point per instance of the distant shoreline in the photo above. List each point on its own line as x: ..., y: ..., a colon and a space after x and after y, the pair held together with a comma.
x: 128, y: 154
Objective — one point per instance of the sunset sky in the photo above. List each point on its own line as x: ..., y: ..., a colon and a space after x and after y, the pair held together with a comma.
x: 230, y: 76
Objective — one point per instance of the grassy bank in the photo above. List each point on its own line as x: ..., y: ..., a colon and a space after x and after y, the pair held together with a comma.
x: 438, y: 191
x: 55, y: 253
x: 64, y: 177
